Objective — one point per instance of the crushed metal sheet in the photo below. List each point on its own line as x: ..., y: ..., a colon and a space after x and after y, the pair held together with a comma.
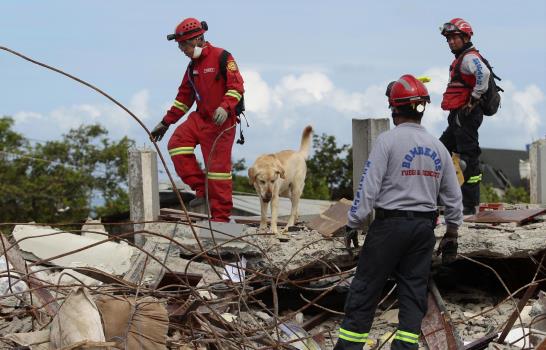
x: 520, y: 216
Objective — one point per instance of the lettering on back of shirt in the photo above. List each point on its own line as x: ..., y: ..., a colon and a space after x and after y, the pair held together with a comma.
x: 422, y: 151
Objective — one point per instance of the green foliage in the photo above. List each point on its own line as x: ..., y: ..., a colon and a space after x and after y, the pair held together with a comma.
x: 511, y: 195
x: 240, y: 182
x: 316, y: 188
x: 488, y: 194
x: 516, y: 195
x: 329, y: 170
x: 57, y: 181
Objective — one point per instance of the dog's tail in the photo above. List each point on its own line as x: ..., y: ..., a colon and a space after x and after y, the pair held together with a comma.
x: 306, y: 141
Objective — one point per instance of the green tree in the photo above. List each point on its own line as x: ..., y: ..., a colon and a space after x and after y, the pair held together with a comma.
x: 488, y: 194
x: 240, y: 181
x: 329, y: 170
x: 59, y: 181
x: 516, y: 195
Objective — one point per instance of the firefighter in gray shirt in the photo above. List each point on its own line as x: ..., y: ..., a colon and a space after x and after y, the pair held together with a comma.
x: 407, y: 172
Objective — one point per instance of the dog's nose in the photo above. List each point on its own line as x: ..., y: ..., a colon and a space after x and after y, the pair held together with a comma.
x: 267, y: 197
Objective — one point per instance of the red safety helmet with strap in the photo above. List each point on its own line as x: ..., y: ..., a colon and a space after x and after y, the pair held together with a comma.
x: 457, y: 26
x: 188, y: 29
x: 407, y: 90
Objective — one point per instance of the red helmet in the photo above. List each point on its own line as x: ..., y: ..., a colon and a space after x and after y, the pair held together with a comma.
x: 457, y: 26
x: 407, y: 90
x: 188, y: 29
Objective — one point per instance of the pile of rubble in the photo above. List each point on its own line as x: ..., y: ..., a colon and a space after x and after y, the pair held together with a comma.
x: 196, y: 284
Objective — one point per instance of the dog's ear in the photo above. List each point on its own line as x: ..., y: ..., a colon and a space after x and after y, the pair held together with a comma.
x: 280, y: 169
x: 251, y: 175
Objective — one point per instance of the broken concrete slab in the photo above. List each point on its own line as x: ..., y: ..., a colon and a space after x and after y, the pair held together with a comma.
x: 332, y: 220
x: 50, y: 244
x: 506, y: 240
x: 94, y: 229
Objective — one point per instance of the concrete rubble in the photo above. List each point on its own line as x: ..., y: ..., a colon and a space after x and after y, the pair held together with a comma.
x: 280, y: 294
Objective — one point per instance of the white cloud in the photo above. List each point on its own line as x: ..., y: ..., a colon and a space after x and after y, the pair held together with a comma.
x: 312, y: 97
x: 61, y: 119
x: 140, y: 104
x: 23, y: 116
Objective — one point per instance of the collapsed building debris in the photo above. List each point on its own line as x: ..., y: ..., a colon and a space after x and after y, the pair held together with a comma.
x: 231, y: 286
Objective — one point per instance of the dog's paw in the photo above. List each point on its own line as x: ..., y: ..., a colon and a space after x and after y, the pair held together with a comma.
x: 262, y: 229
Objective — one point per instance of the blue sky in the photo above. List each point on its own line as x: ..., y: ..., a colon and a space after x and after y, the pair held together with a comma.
x: 304, y: 62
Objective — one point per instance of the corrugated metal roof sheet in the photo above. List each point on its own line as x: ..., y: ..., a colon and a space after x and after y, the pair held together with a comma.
x: 251, y: 204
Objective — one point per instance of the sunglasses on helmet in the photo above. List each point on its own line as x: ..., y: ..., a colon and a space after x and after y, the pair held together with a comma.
x: 449, y: 28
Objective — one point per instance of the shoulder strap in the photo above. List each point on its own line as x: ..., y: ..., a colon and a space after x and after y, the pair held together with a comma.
x: 223, y: 65
x: 457, y: 75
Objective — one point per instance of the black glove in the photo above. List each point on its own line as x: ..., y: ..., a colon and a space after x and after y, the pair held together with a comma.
x: 351, y: 234
x: 448, y: 245
x: 159, y: 131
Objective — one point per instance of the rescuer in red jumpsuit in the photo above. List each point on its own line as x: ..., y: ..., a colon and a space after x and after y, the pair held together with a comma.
x: 217, y: 92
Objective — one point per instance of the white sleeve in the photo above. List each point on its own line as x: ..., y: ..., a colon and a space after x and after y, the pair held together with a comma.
x: 472, y: 64
x: 370, y: 184
x: 450, y: 194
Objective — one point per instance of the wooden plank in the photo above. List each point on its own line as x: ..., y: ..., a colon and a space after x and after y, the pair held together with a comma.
x: 502, y: 216
x: 436, y: 327
x: 40, y: 292
x: 528, y: 293
x: 332, y: 220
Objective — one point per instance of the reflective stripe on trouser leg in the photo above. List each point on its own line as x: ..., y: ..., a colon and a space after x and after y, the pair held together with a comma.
x: 352, y: 336
x: 220, y: 199
x: 218, y: 162
x: 218, y: 176
x: 181, y: 149
x: 407, y: 337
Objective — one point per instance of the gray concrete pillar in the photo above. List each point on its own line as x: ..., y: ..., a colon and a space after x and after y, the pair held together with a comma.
x: 143, y: 189
x: 365, y: 132
x: 537, y: 160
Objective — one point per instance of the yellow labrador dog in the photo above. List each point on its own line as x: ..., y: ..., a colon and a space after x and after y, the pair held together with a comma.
x: 281, y: 174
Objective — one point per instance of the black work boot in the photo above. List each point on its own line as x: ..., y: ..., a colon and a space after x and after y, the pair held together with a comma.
x: 197, y: 202
x: 469, y: 210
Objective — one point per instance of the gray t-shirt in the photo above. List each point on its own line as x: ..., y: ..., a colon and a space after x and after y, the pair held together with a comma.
x: 408, y: 169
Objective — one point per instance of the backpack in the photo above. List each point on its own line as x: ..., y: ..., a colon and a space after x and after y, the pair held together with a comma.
x: 491, y: 99
x: 240, y: 107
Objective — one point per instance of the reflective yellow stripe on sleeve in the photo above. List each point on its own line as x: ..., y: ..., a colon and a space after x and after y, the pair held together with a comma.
x: 181, y: 150
x: 474, y: 179
x: 180, y: 106
x: 234, y: 93
x: 219, y: 176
